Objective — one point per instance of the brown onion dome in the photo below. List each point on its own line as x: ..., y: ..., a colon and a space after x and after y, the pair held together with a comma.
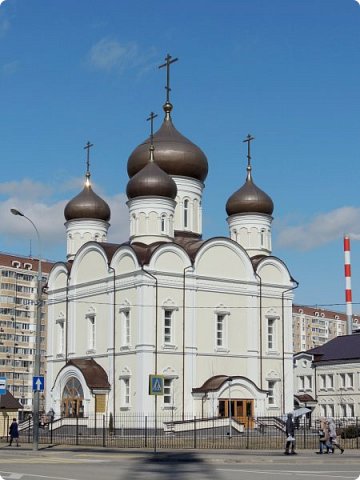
x: 87, y: 205
x: 151, y: 181
x: 175, y: 154
x: 249, y: 199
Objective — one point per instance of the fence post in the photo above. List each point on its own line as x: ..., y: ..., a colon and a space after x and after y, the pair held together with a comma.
x: 51, y: 429
x: 7, y: 428
x: 95, y: 424
x: 194, y: 432
x: 304, y: 431
x: 28, y: 429
x: 104, y: 431
x: 77, y: 430
x: 146, y: 431
x: 248, y: 433
x: 357, y: 432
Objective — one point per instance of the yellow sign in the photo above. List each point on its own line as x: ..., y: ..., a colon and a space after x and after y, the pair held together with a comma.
x: 100, y: 403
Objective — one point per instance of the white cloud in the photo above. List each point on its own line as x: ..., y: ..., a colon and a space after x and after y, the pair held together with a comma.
x: 48, y: 219
x: 111, y: 55
x: 2, y: 1
x: 36, y: 201
x: 321, y: 229
x: 26, y: 189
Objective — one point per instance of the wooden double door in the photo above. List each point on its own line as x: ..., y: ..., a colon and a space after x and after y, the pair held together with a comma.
x: 73, y: 407
x: 239, y: 408
x: 72, y: 399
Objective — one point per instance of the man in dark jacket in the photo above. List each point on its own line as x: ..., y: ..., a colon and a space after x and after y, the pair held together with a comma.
x: 14, y: 433
x: 290, y: 435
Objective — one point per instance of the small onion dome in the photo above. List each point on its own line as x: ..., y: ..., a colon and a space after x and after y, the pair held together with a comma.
x: 87, y: 205
x: 151, y: 181
x: 249, y: 199
x: 175, y: 154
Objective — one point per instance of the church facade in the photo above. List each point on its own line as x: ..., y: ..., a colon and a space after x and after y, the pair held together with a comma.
x: 212, y: 316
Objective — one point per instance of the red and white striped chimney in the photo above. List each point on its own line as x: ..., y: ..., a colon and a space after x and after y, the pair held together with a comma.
x: 348, y: 292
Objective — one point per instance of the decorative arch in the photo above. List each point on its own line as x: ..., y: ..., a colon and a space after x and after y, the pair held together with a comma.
x: 124, y: 260
x: 88, y: 249
x: 125, y: 372
x: 225, y: 258
x: 170, y: 372
x: 180, y: 260
x: 169, y: 304
x: 273, y: 270
x: 58, y: 276
x: 67, y: 401
x: 272, y: 375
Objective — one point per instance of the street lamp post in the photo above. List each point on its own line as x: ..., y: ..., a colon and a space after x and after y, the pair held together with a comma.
x: 36, y: 393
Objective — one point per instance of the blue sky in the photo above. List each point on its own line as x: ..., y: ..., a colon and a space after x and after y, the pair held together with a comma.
x: 286, y: 71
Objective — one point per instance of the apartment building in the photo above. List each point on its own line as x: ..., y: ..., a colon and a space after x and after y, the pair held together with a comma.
x: 18, y: 301
x: 312, y: 327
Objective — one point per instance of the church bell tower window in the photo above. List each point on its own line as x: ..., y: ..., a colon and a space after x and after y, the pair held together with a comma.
x: 163, y: 224
x: 186, y: 213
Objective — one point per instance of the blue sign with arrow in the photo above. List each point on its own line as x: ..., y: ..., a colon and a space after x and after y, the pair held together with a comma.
x: 38, y: 384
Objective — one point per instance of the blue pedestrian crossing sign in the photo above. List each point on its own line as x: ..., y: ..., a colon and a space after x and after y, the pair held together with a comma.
x: 156, y: 385
x: 38, y: 384
x: 2, y: 385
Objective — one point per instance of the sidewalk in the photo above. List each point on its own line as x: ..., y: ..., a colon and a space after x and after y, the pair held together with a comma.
x: 211, y: 456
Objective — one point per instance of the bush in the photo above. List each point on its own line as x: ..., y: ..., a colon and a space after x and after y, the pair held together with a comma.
x: 350, y: 432
x: 111, y: 424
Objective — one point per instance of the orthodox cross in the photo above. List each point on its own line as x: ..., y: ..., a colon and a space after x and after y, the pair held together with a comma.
x: 168, y: 61
x: 151, y: 119
x: 87, y: 147
x: 247, y: 140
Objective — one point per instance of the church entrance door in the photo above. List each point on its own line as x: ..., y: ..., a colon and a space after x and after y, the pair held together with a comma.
x: 73, y: 399
x: 242, y: 410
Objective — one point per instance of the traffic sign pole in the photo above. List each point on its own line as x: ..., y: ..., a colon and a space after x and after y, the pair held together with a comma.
x: 156, y: 387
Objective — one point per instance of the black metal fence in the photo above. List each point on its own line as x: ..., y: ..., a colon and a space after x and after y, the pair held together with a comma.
x: 177, y: 432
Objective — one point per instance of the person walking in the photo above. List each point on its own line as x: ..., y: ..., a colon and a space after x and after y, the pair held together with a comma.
x: 14, y: 433
x: 290, y: 435
x: 332, y: 436
x: 324, y: 440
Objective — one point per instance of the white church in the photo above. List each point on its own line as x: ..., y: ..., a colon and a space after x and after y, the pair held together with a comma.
x: 212, y: 317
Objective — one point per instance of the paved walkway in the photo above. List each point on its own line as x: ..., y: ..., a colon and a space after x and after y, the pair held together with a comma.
x: 213, y: 456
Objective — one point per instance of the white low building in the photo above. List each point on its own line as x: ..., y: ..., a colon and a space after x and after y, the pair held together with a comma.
x: 327, y: 378
x: 213, y: 316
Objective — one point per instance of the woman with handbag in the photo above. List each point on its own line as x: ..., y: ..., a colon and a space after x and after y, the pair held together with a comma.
x: 324, y: 441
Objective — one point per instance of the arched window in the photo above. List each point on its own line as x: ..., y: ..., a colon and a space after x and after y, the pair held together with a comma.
x: 186, y: 213
x: 72, y: 399
x: 163, y: 224
x: 262, y: 237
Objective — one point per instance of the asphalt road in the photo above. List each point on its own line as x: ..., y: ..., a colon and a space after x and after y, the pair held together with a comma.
x: 84, y: 464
